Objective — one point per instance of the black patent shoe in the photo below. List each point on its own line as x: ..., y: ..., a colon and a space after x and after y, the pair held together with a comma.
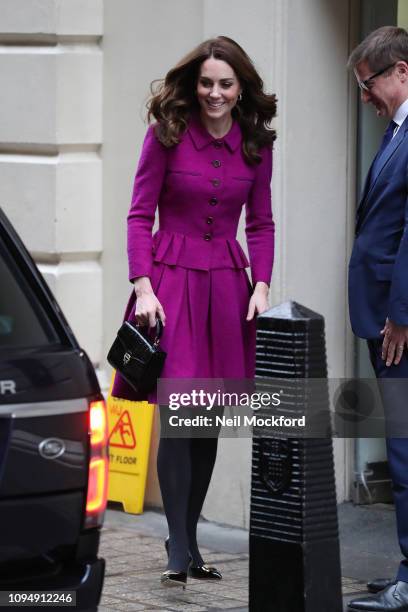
x: 204, y: 572
x: 170, y: 578
x: 199, y: 572
x: 392, y: 599
x: 379, y: 584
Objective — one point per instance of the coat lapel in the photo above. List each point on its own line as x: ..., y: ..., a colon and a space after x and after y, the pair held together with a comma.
x: 388, y: 152
x: 366, y: 187
x: 371, y: 181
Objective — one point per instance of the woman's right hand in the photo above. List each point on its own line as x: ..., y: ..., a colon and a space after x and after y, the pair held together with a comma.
x: 148, y: 307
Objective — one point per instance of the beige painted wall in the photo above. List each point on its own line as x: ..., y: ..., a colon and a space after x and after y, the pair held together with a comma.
x: 403, y: 13
x: 50, y: 136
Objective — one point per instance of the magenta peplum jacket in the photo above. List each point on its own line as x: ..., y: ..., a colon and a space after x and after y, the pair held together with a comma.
x: 194, y: 261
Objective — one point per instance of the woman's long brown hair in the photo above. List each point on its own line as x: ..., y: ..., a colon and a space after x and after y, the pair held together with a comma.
x: 174, y: 98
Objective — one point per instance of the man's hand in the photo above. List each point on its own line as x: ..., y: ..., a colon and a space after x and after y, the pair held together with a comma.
x: 395, y: 340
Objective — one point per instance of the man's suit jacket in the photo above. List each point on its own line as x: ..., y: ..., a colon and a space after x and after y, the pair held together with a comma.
x: 378, y: 269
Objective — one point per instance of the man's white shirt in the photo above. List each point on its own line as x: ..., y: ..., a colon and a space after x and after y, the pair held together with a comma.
x: 400, y: 116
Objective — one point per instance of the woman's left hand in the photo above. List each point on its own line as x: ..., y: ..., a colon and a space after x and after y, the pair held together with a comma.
x: 259, y: 300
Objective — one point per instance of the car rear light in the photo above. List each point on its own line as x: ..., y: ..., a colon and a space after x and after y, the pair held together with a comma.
x: 98, y: 465
x: 98, y: 426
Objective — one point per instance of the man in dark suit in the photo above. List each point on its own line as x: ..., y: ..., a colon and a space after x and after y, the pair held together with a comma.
x: 378, y: 271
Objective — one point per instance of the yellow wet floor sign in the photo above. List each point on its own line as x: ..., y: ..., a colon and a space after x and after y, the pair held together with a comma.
x: 130, y: 428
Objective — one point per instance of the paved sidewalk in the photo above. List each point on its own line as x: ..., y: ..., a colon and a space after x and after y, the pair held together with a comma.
x: 134, y: 552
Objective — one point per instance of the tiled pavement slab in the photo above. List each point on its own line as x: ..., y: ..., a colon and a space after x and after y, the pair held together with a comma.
x: 134, y: 579
x: 135, y: 561
x: 133, y: 548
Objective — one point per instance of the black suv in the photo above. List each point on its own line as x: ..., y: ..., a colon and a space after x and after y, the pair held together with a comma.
x: 53, y: 431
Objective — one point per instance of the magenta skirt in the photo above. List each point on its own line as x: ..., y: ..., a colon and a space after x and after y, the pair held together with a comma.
x: 206, y: 333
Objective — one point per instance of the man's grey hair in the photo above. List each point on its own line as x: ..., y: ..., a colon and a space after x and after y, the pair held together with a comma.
x: 381, y: 48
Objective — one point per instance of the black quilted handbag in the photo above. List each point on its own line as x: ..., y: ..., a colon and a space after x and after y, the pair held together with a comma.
x: 139, y: 359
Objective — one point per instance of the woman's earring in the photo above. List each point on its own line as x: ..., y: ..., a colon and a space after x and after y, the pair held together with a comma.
x: 240, y: 97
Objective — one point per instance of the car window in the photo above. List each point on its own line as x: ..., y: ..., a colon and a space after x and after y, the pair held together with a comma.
x: 23, y: 321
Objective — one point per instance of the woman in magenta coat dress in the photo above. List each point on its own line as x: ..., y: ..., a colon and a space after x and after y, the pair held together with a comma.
x: 208, y: 155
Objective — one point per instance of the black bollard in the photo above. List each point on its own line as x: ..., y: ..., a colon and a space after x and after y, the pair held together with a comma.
x: 294, y: 546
